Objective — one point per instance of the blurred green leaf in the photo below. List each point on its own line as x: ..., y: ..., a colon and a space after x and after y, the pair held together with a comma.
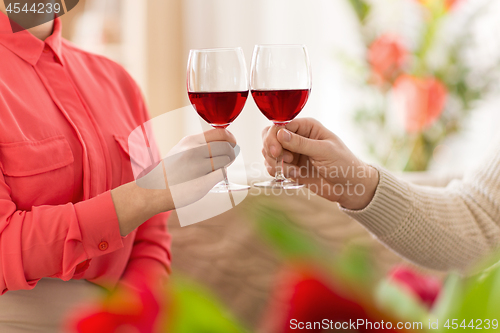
x: 476, y: 297
x: 276, y: 228
x: 449, y: 301
x: 195, y: 309
x: 361, y: 8
x: 356, y: 265
x: 353, y: 265
x: 399, y: 302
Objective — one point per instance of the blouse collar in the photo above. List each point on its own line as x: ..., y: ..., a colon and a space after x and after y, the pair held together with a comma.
x: 27, y: 46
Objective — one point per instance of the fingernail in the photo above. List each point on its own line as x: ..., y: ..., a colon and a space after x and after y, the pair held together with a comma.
x: 292, y: 173
x: 287, y: 136
x: 273, y: 151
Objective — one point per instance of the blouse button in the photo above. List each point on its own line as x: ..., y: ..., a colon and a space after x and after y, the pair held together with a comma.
x: 46, y: 49
x: 103, y: 246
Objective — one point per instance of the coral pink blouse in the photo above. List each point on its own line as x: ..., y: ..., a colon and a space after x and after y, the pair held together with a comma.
x: 65, y: 116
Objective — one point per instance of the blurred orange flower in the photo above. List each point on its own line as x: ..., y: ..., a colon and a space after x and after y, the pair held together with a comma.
x: 448, y: 3
x: 386, y: 56
x: 126, y: 310
x: 422, y: 99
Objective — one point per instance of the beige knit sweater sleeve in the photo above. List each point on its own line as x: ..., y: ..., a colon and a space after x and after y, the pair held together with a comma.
x: 439, y: 228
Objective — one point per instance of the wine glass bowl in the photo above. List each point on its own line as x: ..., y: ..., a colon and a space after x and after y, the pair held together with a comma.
x: 217, y: 85
x: 280, y: 82
x: 280, y: 106
x: 219, y: 109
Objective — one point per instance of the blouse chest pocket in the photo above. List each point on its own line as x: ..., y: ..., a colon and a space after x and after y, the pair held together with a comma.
x: 137, y: 158
x: 38, y: 172
x: 125, y: 165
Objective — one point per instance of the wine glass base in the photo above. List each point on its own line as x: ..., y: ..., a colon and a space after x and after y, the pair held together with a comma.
x: 231, y: 187
x: 285, y: 184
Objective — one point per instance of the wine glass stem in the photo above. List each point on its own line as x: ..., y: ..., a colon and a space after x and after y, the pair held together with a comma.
x: 279, y: 176
x: 226, y: 181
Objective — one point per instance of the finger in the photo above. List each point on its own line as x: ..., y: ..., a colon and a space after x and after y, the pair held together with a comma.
x: 299, y: 144
x: 270, y: 161
x: 220, y: 162
x: 210, y: 180
x: 287, y: 156
x: 195, y: 162
x: 221, y: 148
x: 271, y: 143
x: 217, y: 148
x: 289, y: 170
x: 219, y: 134
x: 193, y: 190
x: 266, y: 153
x: 308, y: 127
x: 264, y: 131
x: 302, y: 124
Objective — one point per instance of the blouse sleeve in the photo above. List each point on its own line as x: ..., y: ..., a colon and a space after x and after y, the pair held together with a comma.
x: 150, y: 255
x: 50, y: 241
x: 440, y: 228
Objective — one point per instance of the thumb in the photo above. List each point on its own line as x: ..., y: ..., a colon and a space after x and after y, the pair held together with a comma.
x: 299, y: 144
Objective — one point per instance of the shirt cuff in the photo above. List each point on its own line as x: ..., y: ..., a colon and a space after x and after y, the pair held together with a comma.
x: 99, y: 225
x: 389, y: 207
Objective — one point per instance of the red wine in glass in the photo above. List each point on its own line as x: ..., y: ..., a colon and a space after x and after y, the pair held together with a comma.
x: 280, y: 82
x: 280, y: 106
x: 219, y: 109
x: 217, y: 86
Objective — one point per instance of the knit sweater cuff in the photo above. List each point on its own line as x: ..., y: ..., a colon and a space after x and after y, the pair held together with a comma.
x: 389, y: 207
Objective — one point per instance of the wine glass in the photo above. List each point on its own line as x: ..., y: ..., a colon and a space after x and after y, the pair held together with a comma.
x: 217, y: 85
x: 280, y: 81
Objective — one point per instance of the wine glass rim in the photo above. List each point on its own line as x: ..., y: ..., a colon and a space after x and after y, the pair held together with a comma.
x: 216, y: 91
x: 280, y: 45
x: 217, y: 49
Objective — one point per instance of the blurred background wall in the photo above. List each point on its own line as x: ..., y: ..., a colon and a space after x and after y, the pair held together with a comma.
x: 152, y: 38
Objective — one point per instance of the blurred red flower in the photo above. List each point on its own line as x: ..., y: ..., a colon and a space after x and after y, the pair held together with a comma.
x: 424, y: 288
x: 307, y: 296
x: 127, y: 310
x: 422, y: 99
x: 386, y: 56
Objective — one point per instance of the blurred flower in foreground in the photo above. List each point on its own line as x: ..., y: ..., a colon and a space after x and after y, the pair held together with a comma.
x: 125, y: 310
x: 182, y: 306
x: 386, y: 56
x: 422, y: 99
x: 425, y: 288
x: 306, y: 295
x: 448, y: 4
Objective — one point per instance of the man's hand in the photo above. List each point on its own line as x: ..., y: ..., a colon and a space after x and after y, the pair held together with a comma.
x: 319, y: 159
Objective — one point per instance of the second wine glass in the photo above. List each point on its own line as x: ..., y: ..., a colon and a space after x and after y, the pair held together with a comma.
x: 218, y: 89
x: 280, y: 81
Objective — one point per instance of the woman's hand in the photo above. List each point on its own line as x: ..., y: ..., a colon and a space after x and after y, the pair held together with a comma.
x: 192, y: 167
x: 319, y: 159
x: 185, y: 176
